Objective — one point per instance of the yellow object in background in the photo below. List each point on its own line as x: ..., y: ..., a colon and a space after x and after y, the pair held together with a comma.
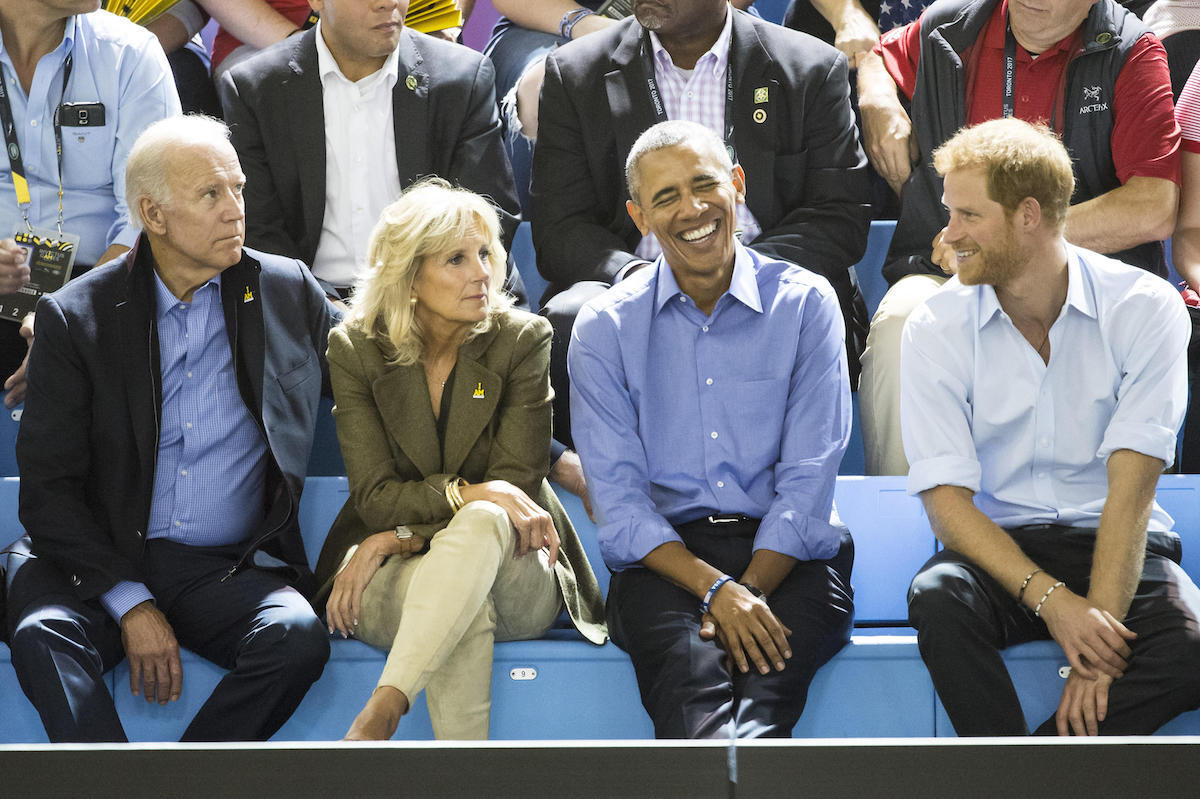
x: 424, y: 16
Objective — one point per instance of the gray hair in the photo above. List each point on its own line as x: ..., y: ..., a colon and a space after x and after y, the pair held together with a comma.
x: 146, y: 172
x: 672, y: 133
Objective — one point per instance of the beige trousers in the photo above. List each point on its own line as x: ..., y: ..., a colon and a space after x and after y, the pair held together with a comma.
x: 439, y: 613
x: 879, y: 385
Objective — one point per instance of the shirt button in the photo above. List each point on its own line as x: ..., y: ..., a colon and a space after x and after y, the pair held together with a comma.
x: 177, y: 524
x: 189, y: 425
x: 189, y: 374
x: 713, y: 434
x: 708, y: 382
x: 1045, y: 442
x: 705, y: 328
x: 683, y: 299
x: 1041, y: 475
x: 33, y: 122
x: 720, y: 484
x: 183, y: 472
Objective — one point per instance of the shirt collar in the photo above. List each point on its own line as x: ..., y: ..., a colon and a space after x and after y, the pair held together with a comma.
x: 168, y: 301
x: 1079, y: 294
x: 719, y: 51
x: 743, y: 285
x: 327, y: 65
x: 996, y: 31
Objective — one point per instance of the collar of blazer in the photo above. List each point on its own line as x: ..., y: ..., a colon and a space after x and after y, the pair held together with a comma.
x: 140, y: 357
x: 402, y: 397
x: 753, y: 68
x: 410, y: 123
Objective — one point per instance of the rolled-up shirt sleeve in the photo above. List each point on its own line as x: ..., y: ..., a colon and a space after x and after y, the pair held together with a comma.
x: 935, y: 410
x: 1152, y: 395
x: 604, y: 427
x: 816, y: 430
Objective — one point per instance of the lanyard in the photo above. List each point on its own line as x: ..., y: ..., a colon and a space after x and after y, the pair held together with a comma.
x: 1010, y: 78
x: 20, y: 183
x: 660, y: 111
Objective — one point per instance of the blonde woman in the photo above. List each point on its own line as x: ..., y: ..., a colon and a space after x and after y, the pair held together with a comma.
x: 443, y: 412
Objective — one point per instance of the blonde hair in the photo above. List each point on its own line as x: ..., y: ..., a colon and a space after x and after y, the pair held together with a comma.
x: 430, y: 217
x: 1019, y: 160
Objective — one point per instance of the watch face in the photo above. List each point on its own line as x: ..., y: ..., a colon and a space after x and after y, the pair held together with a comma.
x: 403, y: 532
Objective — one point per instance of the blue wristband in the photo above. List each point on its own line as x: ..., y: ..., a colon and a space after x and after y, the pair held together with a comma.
x: 708, y: 598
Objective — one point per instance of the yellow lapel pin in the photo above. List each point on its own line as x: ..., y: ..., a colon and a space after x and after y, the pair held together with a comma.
x: 478, y: 391
x: 248, y: 296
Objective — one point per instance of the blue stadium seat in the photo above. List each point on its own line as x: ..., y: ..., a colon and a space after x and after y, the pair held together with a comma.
x: 868, y: 272
x: 10, y: 421
x: 526, y: 261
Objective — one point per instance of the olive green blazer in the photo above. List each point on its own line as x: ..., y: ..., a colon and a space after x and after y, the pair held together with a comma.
x: 498, y: 429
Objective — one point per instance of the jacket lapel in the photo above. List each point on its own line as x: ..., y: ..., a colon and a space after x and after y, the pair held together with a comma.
x: 473, y: 405
x: 402, y: 397
x: 410, y: 112
x: 139, y: 357
x: 303, y: 95
x: 755, y: 136
x: 631, y: 109
x: 242, y: 305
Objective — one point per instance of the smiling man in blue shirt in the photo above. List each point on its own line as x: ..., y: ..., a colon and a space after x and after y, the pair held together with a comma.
x: 1041, y: 392
x: 711, y: 407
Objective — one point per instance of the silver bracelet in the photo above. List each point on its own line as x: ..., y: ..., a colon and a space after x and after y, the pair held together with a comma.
x: 570, y: 19
x: 1038, y: 610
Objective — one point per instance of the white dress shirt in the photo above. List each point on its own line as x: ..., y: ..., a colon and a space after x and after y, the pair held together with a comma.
x: 980, y: 409
x: 361, y: 176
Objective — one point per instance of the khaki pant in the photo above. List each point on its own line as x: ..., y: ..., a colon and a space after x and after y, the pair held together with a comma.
x: 439, y: 613
x: 879, y: 386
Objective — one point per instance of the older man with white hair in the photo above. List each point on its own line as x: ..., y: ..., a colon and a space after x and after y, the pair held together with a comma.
x: 172, y: 397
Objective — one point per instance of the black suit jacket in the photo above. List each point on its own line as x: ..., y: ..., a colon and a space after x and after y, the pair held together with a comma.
x: 805, y: 172
x: 88, y: 440
x: 447, y: 125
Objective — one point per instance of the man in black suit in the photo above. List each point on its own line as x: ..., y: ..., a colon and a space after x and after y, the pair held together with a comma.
x: 172, y: 397
x: 783, y: 106
x: 333, y: 122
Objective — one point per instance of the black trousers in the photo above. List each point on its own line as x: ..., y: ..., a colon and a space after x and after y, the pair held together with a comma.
x: 253, y: 624
x: 964, y: 618
x: 684, y: 683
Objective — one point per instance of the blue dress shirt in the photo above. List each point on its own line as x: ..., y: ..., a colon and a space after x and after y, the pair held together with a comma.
x: 981, y: 410
x: 678, y: 415
x: 119, y: 64
x: 212, y: 458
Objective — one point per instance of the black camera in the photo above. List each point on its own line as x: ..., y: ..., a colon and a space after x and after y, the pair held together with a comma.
x: 81, y: 115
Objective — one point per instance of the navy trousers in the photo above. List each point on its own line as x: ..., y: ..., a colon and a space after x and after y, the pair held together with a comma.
x: 964, y: 618
x: 253, y: 624
x: 684, y: 683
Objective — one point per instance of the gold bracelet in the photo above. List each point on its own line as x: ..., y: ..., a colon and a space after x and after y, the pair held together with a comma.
x: 454, y: 495
x: 1038, y: 610
x: 1024, y: 585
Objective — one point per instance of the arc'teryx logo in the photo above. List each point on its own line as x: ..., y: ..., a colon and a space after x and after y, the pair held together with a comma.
x: 1091, y: 98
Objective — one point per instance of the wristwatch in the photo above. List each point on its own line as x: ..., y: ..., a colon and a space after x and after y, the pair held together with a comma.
x: 403, y: 533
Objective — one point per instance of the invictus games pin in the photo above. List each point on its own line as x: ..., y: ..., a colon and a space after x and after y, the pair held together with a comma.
x: 760, y: 95
x: 1104, y: 37
x: 411, y: 83
x: 760, y: 115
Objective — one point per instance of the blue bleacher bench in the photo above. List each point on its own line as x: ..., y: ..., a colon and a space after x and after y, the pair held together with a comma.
x: 561, y: 687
